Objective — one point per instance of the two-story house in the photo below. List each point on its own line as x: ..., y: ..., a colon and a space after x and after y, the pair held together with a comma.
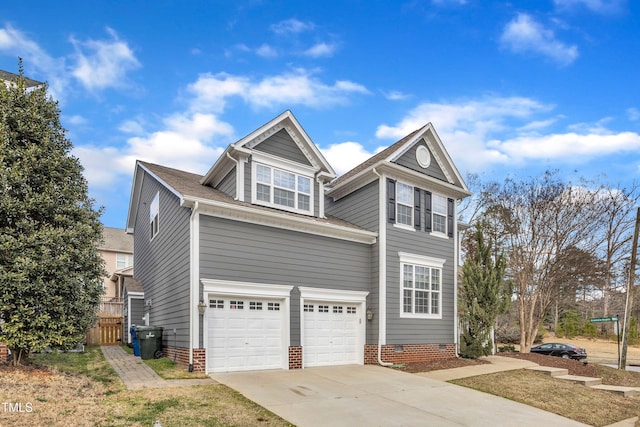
x: 270, y: 261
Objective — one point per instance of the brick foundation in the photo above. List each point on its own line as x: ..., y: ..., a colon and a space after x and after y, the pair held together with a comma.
x: 181, y: 356
x: 405, y: 353
x: 4, y: 353
x: 295, y: 357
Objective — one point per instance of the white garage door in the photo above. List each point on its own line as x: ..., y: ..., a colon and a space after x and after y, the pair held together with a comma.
x: 330, y: 333
x: 244, y: 334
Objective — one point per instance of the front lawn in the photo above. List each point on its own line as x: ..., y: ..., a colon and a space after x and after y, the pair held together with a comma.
x: 81, y: 389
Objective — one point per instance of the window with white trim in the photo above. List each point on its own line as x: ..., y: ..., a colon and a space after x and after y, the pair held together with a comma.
x: 123, y: 261
x: 282, y: 189
x: 421, y: 286
x: 154, y: 212
x: 439, y: 213
x: 404, y: 204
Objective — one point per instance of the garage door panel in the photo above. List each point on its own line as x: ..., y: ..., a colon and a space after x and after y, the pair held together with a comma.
x: 243, y: 334
x: 330, y: 333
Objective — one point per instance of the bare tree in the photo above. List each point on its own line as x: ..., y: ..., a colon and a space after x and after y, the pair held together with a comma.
x: 539, y: 220
x: 618, y: 206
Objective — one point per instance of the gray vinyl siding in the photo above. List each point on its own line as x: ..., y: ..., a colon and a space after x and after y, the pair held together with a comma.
x: 237, y: 251
x: 408, y: 160
x: 282, y: 145
x: 228, y: 183
x: 361, y: 208
x: 162, y: 264
x: 428, y: 331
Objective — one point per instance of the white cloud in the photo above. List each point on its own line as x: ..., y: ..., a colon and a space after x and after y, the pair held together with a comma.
x: 633, y: 114
x: 132, y: 127
x: 101, y: 64
x: 291, y: 26
x: 395, y: 95
x: 345, y: 156
x: 568, y: 146
x: 15, y: 43
x: 597, y: 6
x: 298, y: 87
x: 508, y: 131
x: 267, y: 51
x: 320, y: 50
x: 523, y: 34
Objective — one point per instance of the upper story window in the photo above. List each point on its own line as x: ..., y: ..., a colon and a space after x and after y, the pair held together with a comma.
x: 439, y: 213
x: 404, y: 205
x: 154, y: 213
x: 123, y: 261
x: 282, y: 189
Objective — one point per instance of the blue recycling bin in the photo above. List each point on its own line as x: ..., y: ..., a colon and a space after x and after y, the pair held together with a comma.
x: 134, y: 340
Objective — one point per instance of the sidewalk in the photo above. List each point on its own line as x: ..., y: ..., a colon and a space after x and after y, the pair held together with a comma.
x: 496, y: 364
x: 137, y: 375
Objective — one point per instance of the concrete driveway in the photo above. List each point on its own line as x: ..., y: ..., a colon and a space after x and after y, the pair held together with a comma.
x: 356, y: 395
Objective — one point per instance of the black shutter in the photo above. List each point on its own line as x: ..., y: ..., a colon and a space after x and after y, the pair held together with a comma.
x: 427, y: 211
x: 416, y: 207
x: 391, y: 197
x: 450, y: 217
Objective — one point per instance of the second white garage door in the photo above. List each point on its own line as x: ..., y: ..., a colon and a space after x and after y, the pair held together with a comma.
x: 331, y: 333
x: 244, y: 334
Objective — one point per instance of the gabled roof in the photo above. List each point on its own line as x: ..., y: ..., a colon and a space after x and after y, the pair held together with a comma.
x: 369, y: 170
x: 188, y: 188
x: 116, y: 240
x: 243, y: 148
x: 13, y: 78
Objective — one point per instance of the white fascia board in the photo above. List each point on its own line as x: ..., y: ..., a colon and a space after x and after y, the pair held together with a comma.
x: 220, y: 163
x: 164, y: 184
x: 134, y: 200
x: 395, y: 155
x: 228, y: 287
x: 421, y: 260
x: 136, y: 295
x: 278, y: 220
x: 355, y: 182
x: 338, y: 295
x: 421, y: 180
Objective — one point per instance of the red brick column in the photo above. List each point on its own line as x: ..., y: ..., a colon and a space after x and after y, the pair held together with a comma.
x: 199, y: 360
x: 295, y: 357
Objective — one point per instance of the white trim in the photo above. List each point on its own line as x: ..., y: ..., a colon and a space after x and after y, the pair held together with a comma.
x: 194, y: 285
x: 281, y: 163
x: 229, y: 287
x: 240, y: 178
x: 423, y: 157
x: 276, y: 219
x: 357, y: 298
x: 282, y: 166
x: 403, y: 226
x: 422, y: 261
x: 320, y: 198
x: 337, y: 295
x: 456, y: 262
x: 213, y: 287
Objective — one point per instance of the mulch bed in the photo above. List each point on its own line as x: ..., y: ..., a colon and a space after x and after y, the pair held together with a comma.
x: 575, y: 367
x: 435, y: 365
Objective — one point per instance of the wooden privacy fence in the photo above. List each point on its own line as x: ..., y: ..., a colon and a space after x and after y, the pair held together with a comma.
x: 108, y: 332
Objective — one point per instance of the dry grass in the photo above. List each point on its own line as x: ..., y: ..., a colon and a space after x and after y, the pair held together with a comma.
x: 89, y: 393
x: 170, y: 370
x: 574, y: 401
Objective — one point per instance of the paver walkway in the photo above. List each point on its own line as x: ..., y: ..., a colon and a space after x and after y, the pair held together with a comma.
x: 138, y: 375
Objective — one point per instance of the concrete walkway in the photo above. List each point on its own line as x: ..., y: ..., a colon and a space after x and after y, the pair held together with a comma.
x: 137, y: 375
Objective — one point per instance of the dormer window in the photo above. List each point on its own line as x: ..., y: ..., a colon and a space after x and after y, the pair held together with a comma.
x: 282, y: 189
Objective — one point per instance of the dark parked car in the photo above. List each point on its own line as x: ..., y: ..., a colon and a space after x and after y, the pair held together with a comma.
x: 566, y: 351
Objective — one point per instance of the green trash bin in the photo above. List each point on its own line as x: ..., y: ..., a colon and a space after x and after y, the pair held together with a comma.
x: 150, y: 338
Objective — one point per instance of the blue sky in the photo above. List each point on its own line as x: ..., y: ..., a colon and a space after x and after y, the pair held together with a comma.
x: 512, y: 88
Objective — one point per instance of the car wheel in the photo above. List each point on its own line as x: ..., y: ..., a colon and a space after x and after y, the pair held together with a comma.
x: 565, y: 356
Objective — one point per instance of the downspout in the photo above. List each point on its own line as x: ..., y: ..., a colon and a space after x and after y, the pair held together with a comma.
x: 456, y: 256
x: 382, y: 268
x: 193, y: 289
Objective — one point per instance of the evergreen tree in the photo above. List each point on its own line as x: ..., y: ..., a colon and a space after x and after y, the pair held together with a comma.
x: 484, y: 295
x: 50, y: 269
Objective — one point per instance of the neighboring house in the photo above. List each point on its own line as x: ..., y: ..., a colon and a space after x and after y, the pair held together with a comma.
x: 270, y: 262
x: 116, y: 249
